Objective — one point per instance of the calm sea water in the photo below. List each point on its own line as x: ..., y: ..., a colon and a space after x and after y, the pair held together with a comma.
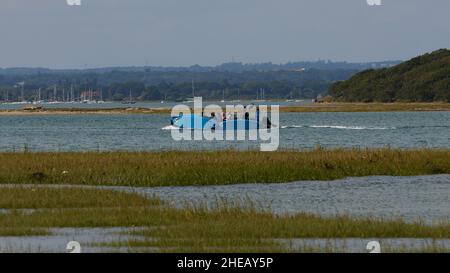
x: 410, y: 198
x: 424, y: 198
x: 298, y: 131
x: 92, y: 240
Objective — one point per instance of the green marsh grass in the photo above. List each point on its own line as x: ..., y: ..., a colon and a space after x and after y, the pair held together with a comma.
x: 23, y: 231
x: 177, y: 168
x: 31, y: 211
x: 24, y: 197
x: 235, y: 229
x: 226, y: 227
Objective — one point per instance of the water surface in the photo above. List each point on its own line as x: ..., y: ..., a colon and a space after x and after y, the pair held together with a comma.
x: 424, y: 198
x: 298, y: 131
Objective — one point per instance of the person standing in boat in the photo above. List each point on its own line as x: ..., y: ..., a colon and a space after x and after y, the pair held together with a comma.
x: 265, y: 119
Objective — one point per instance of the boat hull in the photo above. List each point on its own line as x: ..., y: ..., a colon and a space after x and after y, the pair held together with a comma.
x: 196, y: 122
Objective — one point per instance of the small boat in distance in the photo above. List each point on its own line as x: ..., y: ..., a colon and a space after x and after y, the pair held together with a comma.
x: 223, y: 96
x: 191, y: 100
x: 129, y: 101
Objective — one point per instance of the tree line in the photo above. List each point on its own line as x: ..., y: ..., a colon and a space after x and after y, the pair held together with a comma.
x: 117, y: 85
x: 425, y: 78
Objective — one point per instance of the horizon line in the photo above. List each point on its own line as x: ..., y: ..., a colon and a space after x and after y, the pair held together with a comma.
x: 327, y: 61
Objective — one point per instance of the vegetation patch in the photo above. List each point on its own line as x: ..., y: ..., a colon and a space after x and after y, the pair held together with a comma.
x: 225, y: 227
x: 216, y: 168
x: 369, y: 107
x: 425, y: 78
x: 23, y: 197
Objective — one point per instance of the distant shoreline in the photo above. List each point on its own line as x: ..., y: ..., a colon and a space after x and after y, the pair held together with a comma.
x: 319, y: 107
x: 83, y: 111
x: 370, y: 107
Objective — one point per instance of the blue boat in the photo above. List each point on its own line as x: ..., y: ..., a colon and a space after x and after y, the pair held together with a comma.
x: 197, y: 122
x: 239, y: 124
x: 193, y: 122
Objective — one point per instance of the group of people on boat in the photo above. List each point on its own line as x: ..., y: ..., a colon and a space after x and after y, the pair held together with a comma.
x: 245, y: 115
x: 248, y: 117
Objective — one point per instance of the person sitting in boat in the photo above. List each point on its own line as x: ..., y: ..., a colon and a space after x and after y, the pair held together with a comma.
x: 173, y: 118
x: 267, y: 122
x: 246, y: 113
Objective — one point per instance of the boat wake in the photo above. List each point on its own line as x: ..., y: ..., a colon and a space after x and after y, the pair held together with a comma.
x: 341, y: 127
x: 352, y: 127
x: 170, y: 127
x: 292, y: 126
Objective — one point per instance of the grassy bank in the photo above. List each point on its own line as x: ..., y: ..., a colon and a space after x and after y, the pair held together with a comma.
x: 317, y: 107
x: 59, y: 198
x: 215, y: 168
x: 84, y: 111
x: 369, y: 107
x: 227, y: 227
x: 23, y: 204
x: 242, y: 230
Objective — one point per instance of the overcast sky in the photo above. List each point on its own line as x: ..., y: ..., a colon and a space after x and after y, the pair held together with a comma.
x: 49, y: 33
